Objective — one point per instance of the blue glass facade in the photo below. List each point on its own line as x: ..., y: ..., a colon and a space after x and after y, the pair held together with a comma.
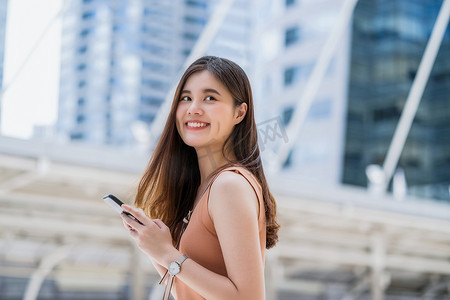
x: 388, y: 41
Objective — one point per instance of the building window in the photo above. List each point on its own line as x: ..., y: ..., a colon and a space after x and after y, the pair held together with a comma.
x: 88, y: 15
x: 85, y: 32
x: 154, y: 66
x: 153, y: 48
x: 386, y: 113
x: 290, y: 2
x: 292, y: 35
x: 194, y: 20
x: 287, y: 114
x: 82, y: 49
x: 77, y: 136
x: 150, y: 12
x: 354, y: 158
x: 186, y: 52
x: 197, y: 4
x: 155, y: 84
x: 290, y: 75
x: 293, y: 74
x: 80, y: 119
x: 81, y: 67
x: 155, y: 101
x: 288, y: 162
x: 190, y: 36
x: 146, y: 118
x: 119, y: 28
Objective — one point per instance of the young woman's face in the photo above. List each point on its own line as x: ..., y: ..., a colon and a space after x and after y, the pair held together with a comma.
x: 206, y: 114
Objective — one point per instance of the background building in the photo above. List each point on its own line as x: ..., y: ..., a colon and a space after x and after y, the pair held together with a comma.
x: 3, y: 11
x: 58, y: 240
x: 293, y: 34
x: 120, y: 58
x: 388, y: 41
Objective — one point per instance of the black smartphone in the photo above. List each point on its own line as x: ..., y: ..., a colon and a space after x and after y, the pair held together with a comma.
x: 116, y: 204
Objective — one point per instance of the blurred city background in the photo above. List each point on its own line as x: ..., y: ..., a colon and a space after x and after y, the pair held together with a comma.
x: 352, y: 103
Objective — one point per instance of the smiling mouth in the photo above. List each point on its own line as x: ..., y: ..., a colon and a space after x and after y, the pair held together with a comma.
x: 197, y: 124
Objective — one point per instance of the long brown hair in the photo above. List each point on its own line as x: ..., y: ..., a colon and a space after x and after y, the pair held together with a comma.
x: 168, y: 188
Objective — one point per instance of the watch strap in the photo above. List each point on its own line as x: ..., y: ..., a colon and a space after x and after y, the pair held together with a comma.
x: 168, y: 287
x: 181, y: 259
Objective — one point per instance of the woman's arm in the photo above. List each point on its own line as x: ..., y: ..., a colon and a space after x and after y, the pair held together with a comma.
x: 234, y: 210
x: 160, y: 269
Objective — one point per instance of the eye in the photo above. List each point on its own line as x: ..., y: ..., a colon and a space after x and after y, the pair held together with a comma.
x: 185, y: 98
x: 210, y: 98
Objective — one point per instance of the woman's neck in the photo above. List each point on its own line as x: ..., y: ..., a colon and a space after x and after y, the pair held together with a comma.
x: 209, y: 160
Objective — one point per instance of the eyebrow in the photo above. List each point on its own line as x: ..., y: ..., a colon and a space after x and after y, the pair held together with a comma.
x: 205, y: 91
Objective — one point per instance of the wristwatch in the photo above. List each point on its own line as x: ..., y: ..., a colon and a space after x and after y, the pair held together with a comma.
x: 175, y: 266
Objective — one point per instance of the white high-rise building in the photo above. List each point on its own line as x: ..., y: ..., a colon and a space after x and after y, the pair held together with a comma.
x: 293, y: 34
x: 120, y: 58
x: 3, y: 11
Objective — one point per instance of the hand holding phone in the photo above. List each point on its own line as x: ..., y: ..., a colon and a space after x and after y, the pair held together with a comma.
x: 116, y: 204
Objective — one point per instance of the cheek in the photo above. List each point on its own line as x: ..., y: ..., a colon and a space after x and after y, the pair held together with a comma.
x: 225, y: 123
x: 179, y: 117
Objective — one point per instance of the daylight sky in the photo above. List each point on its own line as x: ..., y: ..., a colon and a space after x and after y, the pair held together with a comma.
x: 31, y: 93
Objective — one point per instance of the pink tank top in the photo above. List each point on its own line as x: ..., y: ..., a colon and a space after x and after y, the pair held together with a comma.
x: 200, y: 242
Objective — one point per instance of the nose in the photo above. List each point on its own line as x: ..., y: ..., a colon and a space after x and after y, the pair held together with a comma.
x: 195, y: 108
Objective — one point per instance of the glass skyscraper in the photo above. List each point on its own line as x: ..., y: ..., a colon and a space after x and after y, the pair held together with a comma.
x: 120, y: 58
x: 388, y: 41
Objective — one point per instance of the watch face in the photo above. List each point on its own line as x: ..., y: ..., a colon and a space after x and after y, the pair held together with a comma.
x: 174, y: 268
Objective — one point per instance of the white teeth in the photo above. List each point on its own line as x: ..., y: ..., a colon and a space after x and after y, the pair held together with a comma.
x: 192, y: 124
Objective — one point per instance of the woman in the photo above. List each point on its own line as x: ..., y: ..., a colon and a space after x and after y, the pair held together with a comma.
x: 206, y: 171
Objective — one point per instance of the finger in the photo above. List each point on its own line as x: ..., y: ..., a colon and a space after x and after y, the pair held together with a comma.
x: 134, y: 234
x: 142, y: 219
x: 138, y: 213
x: 131, y: 222
x: 128, y: 227
x: 160, y: 223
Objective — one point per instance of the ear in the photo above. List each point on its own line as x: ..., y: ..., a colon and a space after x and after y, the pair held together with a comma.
x: 241, y: 111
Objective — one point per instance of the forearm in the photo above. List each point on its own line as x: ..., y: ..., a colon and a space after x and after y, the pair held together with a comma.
x: 207, y: 283
x: 160, y: 269
x: 211, y: 285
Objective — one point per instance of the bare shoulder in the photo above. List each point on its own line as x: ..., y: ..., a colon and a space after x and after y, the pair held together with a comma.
x: 231, y: 182
x: 232, y: 191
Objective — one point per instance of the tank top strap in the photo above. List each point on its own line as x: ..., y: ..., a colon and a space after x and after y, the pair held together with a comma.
x: 244, y: 172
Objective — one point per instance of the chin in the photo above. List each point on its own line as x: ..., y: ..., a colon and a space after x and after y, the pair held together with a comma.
x: 195, y: 143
